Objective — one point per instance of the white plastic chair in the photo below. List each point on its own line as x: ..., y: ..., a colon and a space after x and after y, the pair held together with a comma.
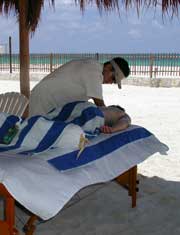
x: 13, y: 103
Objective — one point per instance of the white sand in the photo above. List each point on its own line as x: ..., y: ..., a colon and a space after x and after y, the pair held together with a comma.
x: 157, y: 109
x: 108, y: 212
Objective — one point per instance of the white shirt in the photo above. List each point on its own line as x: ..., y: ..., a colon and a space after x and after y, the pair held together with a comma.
x: 74, y: 81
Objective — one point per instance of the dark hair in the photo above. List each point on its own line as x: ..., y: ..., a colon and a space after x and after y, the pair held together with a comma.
x: 123, y: 65
x: 119, y: 107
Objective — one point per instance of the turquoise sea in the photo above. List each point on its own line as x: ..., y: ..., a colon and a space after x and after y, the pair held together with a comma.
x: 133, y: 59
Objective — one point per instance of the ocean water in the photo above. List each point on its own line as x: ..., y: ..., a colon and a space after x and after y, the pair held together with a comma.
x: 172, y: 60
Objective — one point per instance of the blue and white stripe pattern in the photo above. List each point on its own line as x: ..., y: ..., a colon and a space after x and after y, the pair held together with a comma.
x: 100, y: 149
x: 104, y: 158
x: 115, y: 153
x: 60, y: 128
x: 84, y: 114
x: 55, y: 138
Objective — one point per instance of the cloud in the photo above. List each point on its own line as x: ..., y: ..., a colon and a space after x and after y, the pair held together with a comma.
x: 72, y: 21
x: 67, y: 29
x: 135, y: 33
x: 9, y: 27
x: 157, y: 25
x: 135, y: 21
x: 8, y: 24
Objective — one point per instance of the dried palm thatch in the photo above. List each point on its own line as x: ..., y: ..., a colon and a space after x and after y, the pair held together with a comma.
x: 35, y: 6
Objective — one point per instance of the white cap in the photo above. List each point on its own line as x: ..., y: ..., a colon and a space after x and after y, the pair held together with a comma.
x: 119, y: 75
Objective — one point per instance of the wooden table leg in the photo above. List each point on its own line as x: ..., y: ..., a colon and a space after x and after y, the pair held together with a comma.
x: 29, y: 227
x: 133, y: 179
x: 129, y: 181
x: 8, y: 225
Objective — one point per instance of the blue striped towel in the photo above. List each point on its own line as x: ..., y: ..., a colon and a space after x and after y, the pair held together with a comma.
x: 62, y: 127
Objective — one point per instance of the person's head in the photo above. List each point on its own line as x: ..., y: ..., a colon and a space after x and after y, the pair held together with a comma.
x: 118, y: 107
x: 115, y: 70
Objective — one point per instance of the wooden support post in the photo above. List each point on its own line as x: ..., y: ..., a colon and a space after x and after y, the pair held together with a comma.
x: 97, y: 56
x: 10, y: 55
x: 24, y: 49
x: 151, y: 66
x: 51, y: 63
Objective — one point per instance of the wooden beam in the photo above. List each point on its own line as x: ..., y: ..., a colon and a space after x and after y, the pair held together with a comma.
x: 24, y: 48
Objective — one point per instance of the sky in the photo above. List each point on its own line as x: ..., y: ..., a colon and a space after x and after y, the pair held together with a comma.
x: 66, y: 29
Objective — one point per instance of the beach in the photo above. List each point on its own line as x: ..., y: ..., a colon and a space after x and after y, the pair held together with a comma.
x: 105, y: 209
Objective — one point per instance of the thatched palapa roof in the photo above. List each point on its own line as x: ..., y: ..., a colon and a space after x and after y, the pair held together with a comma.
x: 35, y: 6
x: 33, y: 13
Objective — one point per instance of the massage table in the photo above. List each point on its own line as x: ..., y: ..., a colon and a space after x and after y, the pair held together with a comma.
x: 7, y: 226
x: 117, y: 154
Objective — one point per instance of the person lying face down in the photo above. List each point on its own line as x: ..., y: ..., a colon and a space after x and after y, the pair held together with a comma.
x: 116, y: 119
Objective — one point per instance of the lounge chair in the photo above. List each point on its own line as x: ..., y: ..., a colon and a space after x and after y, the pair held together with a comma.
x: 13, y: 103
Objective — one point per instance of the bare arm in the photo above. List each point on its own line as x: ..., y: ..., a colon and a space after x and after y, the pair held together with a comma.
x: 121, y: 124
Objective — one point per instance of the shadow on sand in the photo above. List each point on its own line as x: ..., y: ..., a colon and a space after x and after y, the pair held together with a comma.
x: 105, y: 209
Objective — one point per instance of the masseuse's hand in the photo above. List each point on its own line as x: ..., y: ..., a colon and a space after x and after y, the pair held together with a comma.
x: 106, y: 129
